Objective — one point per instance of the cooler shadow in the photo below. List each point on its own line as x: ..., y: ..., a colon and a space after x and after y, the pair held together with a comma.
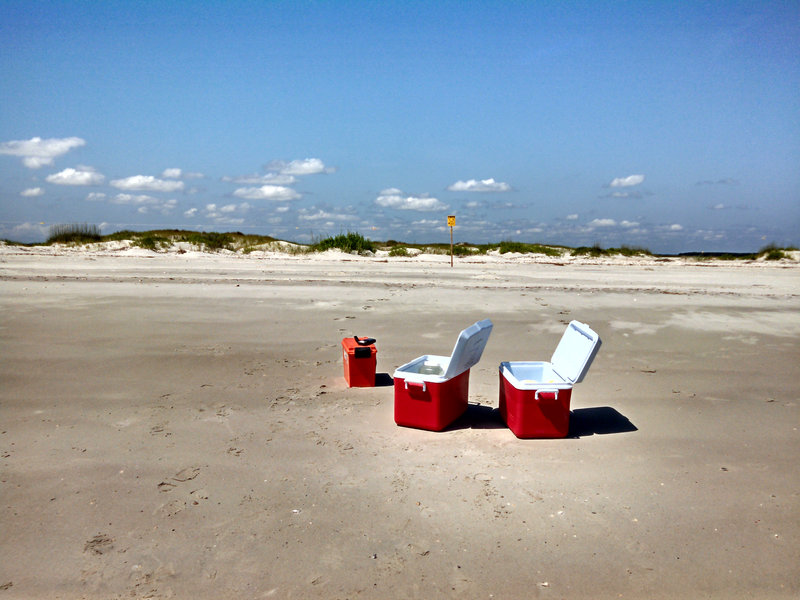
x: 383, y: 380
x: 600, y: 420
x: 478, y: 416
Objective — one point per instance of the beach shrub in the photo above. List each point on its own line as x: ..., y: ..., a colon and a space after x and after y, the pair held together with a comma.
x: 707, y: 256
x: 120, y: 236
x: 630, y: 251
x: 210, y: 240
x: 461, y: 250
x: 772, y: 252
x: 74, y: 233
x: 150, y: 241
x: 597, y: 251
x: 522, y: 248
x: 398, y: 251
x: 594, y: 251
x: 349, y: 242
x: 458, y: 249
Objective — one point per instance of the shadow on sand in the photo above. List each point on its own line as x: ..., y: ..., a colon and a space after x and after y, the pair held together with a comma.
x: 478, y: 416
x: 601, y: 420
x: 383, y: 380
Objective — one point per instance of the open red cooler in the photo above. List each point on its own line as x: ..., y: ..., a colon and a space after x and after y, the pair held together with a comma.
x: 432, y: 391
x: 359, y: 358
x: 535, y: 396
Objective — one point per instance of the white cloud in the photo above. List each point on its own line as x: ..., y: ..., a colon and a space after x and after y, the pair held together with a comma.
x: 628, y: 192
x: 321, y: 215
x: 228, y: 208
x: 676, y: 227
x: 603, y: 223
x: 32, y: 192
x: 134, y: 199
x: 306, y: 166
x: 175, y: 173
x: 96, y: 196
x: 25, y: 231
x: 627, y: 181
x: 572, y: 217
x: 628, y: 224
x: 80, y: 176
x: 147, y: 183
x: 164, y: 208
x: 719, y: 206
x: 267, y: 192
x: 144, y: 204
x: 37, y: 152
x: 269, y: 178
x: 484, y: 185
x: 394, y: 198
x: 221, y: 215
x: 192, y: 212
x: 726, y: 181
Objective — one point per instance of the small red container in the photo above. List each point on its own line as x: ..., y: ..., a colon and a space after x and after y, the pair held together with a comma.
x: 535, y: 396
x: 359, y: 363
x: 431, y: 392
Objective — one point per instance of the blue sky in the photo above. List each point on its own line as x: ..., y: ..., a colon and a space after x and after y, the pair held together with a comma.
x: 669, y: 125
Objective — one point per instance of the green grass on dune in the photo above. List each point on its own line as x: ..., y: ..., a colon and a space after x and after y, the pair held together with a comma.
x: 74, y: 233
x: 523, y: 248
x: 597, y: 251
x: 209, y: 241
x: 350, y: 242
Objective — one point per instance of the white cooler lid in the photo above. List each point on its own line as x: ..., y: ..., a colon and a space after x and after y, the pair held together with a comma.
x: 469, y: 348
x: 575, y: 352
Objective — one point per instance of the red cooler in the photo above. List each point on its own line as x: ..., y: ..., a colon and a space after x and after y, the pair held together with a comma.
x: 431, y: 391
x: 358, y: 355
x: 535, y: 396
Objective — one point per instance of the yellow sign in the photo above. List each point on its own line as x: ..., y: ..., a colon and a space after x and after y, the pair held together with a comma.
x: 451, y: 221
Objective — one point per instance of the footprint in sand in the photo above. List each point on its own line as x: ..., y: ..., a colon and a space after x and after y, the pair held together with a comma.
x: 186, y: 474
x: 99, y: 544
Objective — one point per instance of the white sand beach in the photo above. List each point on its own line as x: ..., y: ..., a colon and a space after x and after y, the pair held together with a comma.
x: 177, y: 425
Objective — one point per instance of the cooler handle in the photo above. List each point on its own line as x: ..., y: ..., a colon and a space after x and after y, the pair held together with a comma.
x: 422, y: 385
x: 553, y: 391
x: 364, y: 341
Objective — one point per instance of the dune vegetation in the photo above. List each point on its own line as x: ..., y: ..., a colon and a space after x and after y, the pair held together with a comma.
x: 163, y: 240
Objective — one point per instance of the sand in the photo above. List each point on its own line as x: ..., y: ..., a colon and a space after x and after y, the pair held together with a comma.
x: 178, y: 426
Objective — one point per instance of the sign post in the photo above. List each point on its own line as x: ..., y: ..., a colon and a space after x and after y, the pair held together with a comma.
x: 451, y: 222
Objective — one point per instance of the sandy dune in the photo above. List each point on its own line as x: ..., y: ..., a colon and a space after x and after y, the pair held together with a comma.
x: 177, y: 425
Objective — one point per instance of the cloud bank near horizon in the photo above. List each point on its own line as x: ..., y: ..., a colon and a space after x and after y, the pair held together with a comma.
x: 272, y: 191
